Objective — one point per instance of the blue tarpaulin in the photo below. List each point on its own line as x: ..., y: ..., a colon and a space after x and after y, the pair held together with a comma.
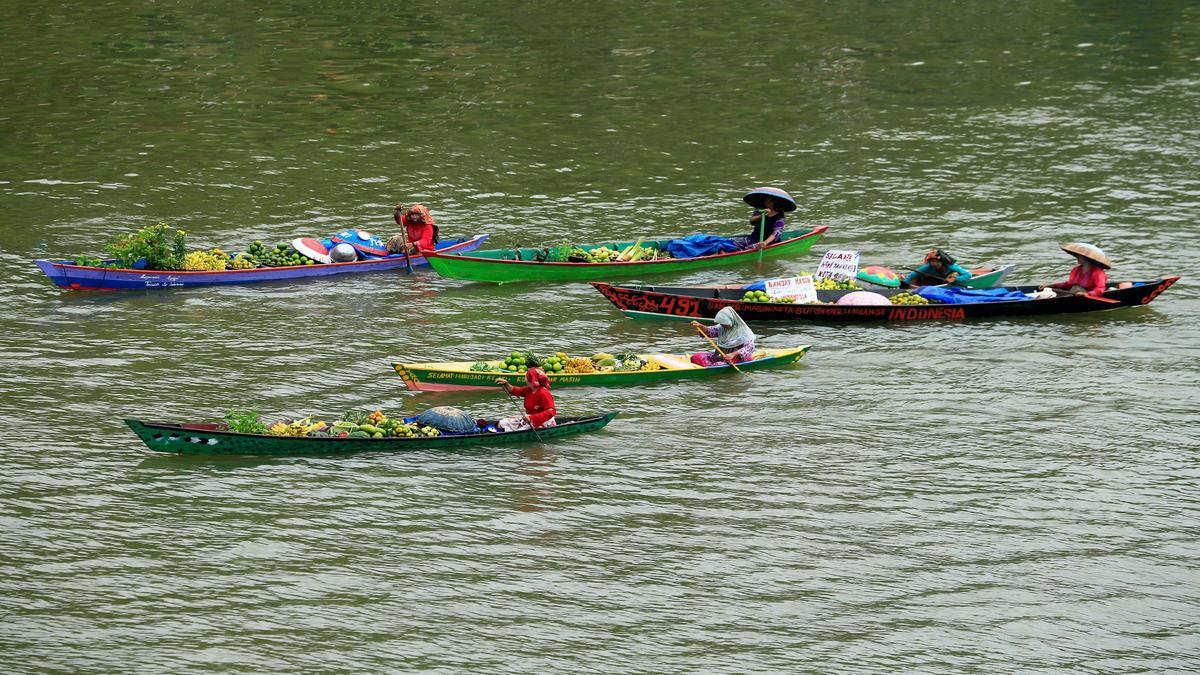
x: 695, y: 245
x: 952, y: 295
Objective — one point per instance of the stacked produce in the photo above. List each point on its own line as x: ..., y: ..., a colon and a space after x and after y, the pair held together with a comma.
x: 908, y: 298
x: 205, y: 261
x: 761, y: 296
x: 283, y: 255
x: 631, y: 253
x: 241, y: 261
x: 352, y: 425
x: 826, y: 284
x: 561, y: 363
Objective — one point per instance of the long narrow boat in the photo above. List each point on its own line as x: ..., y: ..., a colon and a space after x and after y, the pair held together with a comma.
x: 211, y: 439
x: 696, y: 302
x: 457, y: 375
x: 503, y: 266
x: 84, y: 278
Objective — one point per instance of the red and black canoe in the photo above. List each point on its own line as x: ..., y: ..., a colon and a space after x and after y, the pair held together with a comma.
x: 703, y: 302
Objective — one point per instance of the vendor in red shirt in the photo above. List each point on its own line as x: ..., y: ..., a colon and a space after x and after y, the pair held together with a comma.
x: 1088, y: 277
x: 420, y: 231
x: 539, y: 402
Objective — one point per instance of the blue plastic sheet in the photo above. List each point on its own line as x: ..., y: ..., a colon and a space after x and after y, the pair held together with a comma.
x: 695, y: 245
x: 952, y: 295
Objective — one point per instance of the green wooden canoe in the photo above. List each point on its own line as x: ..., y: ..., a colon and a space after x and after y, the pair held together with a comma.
x: 209, y: 439
x: 503, y: 266
x: 457, y: 375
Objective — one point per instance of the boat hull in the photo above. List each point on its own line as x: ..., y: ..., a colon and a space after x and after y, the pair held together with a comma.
x: 700, y: 302
x: 207, y: 439
x: 494, y: 267
x: 83, y: 278
x: 457, y: 376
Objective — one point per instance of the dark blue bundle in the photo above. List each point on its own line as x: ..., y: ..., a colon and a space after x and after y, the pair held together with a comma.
x: 952, y: 295
x: 695, y: 245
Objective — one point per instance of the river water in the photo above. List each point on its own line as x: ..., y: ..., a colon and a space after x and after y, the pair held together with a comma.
x: 1002, y: 495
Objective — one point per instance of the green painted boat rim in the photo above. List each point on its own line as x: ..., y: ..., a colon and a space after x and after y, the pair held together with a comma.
x: 201, y: 433
x: 772, y: 358
x: 800, y: 236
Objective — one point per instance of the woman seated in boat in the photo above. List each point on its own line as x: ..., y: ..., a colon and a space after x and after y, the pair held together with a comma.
x: 731, y: 335
x: 939, y: 268
x: 421, y: 234
x: 539, y: 402
x: 1088, y: 276
x: 767, y: 220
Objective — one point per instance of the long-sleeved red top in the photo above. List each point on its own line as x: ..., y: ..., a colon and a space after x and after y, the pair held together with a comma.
x: 539, y: 404
x: 420, y: 235
x: 1094, y: 282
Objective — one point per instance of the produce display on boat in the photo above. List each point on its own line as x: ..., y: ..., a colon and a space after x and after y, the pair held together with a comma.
x: 586, y: 262
x: 565, y: 370
x: 927, y: 303
x: 158, y: 256
x: 243, y: 433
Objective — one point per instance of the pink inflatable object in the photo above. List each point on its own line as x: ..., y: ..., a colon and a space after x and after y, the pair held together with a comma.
x: 863, y: 298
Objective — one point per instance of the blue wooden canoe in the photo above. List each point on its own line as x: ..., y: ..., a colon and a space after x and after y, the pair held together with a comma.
x: 68, y: 275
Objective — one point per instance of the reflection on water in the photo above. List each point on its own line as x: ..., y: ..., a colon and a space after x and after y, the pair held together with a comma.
x: 916, y: 497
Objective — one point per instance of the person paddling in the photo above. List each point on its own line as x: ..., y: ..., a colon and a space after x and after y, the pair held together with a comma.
x: 418, y: 226
x: 732, y: 336
x: 539, y: 402
x: 767, y: 220
x: 938, y: 267
x: 1088, y: 277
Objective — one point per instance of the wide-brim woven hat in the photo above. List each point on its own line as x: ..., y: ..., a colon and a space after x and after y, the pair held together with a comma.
x: 1090, y: 252
x: 757, y: 198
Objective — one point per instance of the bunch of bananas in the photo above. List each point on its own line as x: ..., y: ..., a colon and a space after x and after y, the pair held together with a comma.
x: 825, y: 284
x: 907, y: 298
x: 205, y: 261
x: 652, y: 365
x: 579, y: 365
x: 302, y: 427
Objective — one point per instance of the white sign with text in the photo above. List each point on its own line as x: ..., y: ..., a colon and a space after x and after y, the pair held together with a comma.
x: 839, y: 265
x: 800, y: 288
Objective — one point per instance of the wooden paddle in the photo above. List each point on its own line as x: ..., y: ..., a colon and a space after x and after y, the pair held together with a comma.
x: 714, y: 344
x: 403, y: 236
x: 1061, y: 293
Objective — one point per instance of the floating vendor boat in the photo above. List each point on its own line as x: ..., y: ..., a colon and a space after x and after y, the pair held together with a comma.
x: 932, y: 303
x: 103, y: 277
x: 603, y: 370
x: 595, y: 261
x: 217, y: 439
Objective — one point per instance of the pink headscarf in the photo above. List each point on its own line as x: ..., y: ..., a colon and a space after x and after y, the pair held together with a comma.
x: 536, y: 377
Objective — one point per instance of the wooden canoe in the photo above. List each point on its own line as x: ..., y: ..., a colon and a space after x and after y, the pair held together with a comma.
x: 210, y: 439
x: 503, y: 266
x: 84, y: 278
x: 703, y: 302
x: 457, y: 375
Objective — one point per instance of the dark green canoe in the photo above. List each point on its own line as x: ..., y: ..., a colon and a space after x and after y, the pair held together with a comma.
x: 210, y: 439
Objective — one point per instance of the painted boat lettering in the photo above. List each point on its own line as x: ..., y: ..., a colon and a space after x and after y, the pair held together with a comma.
x: 909, y: 313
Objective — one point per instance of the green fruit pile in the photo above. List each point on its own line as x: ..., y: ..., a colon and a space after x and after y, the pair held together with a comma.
x: 756, y: 296
x: 556, y: 363
x: 824, y: 284
x: 242, y: 261
x: 907, y: 298
x: 516, y: 363
x: 283, y: 255
x: 784, y: 300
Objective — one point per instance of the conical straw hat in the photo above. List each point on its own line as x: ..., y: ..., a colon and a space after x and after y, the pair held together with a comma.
x: 1090, y: 252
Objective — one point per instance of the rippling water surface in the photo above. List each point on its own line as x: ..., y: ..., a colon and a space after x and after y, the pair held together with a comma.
x: 999, y: 495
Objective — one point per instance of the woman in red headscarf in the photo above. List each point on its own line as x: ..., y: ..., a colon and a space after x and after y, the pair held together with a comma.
x: 539, y: 402
x: 418, y: 226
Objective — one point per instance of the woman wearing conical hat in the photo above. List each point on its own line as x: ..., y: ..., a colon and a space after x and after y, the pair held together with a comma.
x: 1088, y: 277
